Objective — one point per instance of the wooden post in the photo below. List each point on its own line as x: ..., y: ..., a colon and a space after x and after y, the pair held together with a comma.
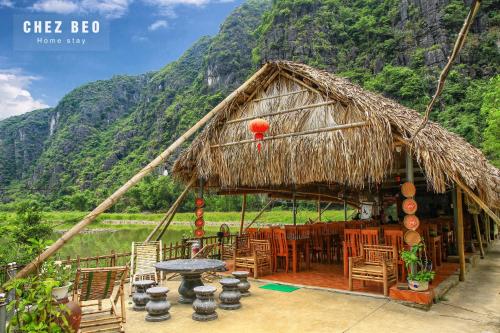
x: 345, y: 210
x: 243, y: 208
x: 409, y: 165
x: 160, y: 159
x: 294, y: 208
x: 460, y: 234
x: 478, y: 200
x: 487, y: 231
x: 478, y: 235
x: 171, y: 210
x: 319, y: 208
x: 170, y: 219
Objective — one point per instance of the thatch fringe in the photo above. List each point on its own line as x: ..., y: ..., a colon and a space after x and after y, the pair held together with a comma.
x: 354, y: 157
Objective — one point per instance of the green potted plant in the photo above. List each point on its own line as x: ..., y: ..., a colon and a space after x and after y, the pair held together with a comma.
x: 419, y: 271
x: 59, y: 276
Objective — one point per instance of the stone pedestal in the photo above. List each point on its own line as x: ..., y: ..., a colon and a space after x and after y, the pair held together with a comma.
x: 244, y: 285
x: 186, y: 288
x: 204, y: 305
x: 158, y: 306
x: 140, y: 297
x: 230, y: 295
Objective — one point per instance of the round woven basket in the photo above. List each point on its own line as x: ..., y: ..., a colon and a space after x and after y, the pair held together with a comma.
x: 411, y: 222
x: 412, y: 237
x: 410, y: 206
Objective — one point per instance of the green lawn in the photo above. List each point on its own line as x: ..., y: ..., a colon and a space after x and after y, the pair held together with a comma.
x: 65, y: 219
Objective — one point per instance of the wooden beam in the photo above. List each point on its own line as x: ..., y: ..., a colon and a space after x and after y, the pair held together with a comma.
x: 318, y: 204
x: 286, y: 135
x: 171, y: 210
x: 243, y: 208
x: 259, y: 214
x: 160, y: 159
x: 478, y: 200
x: 460, y: 234
x: 278, y: 96
x: 478, y: 234
x: 280, y: 112
x: 303, y: 84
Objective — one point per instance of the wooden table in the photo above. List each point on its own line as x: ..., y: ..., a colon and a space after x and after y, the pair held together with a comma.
x: 295, y: 244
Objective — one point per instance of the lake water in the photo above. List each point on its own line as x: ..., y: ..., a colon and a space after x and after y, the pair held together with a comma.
x: 101, y: 243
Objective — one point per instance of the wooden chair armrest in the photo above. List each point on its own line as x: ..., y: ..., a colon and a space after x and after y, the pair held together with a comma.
x: 357, y: 260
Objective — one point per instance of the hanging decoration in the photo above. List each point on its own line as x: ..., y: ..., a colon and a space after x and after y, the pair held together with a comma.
x: 411, y: 222
x: 409, y: 206
x: 199, y: 223
x: 408, y: 189
x: 258, y: 127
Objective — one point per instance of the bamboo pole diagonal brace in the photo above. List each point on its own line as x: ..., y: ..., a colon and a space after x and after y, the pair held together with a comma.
x: 110, y: 201
x: 259, y: 214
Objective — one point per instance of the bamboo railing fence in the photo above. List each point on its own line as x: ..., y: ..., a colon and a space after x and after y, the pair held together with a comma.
x: 178, y: 250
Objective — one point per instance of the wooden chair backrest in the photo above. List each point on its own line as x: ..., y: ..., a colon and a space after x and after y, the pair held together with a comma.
x: 242, y: 243
x: 252, y: 233
x: 370, y: 236
x: 303, y: 231
x: 144, y: 256
x: 280, y: 245
x: 375, y: 254
x: 291, y: 232
x: 99, y: 283
x: 394, y: 238
x: 336, y: 228
x: 260, y: 247
x: 352, y: 238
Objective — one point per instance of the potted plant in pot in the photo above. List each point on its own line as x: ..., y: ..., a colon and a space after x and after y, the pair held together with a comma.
x: 59, y: 275
x: 419, y: 269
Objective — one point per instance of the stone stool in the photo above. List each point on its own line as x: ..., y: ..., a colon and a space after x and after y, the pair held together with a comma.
x: 204, y: 305
x: 244, y: 285
x: 230, y: 295
x: 140, y: 298
x: 158, y: 306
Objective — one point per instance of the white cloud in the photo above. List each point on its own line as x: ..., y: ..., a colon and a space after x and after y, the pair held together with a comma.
x: 157, y: 25
x: 7, y: 3
x: 107, y: 8
x: 55, y: 6
x: 166, y: 7
x: 15, y: 98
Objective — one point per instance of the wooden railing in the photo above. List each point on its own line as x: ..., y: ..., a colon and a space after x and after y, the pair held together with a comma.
x: 171, y: 251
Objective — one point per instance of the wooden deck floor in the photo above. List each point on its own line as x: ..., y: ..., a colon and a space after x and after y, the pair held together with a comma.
x: 332, y: 276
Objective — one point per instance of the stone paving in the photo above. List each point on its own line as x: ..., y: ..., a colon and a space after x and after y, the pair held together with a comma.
x: 472, y: 306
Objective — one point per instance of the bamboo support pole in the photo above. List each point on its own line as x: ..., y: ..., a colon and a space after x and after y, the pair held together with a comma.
x: 478, y: 235
x: 460, y: 234
x: 478, y: 200
x: 259, y: 214
x: 170, y: 212
x: 286, y: 135
x: 175, y: 208
x: 110, y: 201
x: 280, y: 112
x: 243, y: 208
x: 487, y: 224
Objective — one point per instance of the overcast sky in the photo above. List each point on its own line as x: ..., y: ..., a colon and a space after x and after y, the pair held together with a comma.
x: 144, y: 35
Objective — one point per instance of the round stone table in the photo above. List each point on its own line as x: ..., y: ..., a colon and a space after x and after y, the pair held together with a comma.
x: 190, y: 271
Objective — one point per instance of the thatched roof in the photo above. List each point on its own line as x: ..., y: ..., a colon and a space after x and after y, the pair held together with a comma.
x: 355, y: 157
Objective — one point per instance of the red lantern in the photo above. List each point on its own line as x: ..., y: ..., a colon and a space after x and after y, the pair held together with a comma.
x: 198, y: 233
x: 199, y: 223
x: 199, y: 202
x: 258, y: 127
x: 199, y: 212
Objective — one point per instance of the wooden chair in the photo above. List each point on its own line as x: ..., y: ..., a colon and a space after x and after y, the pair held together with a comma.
x: 395, y: 238
x: 281, y: 248
x: 370, y: 236
x: 352, y: 239
x: 377, y: 263
x: 260, y: 260
x: 92, y: 286
x: 143, y: 257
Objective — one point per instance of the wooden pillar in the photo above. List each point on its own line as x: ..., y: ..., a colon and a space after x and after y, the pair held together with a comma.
x: 345, y: 210
x: 460, y: 234
x: 478, y: 234
x: 319, y: 209
x: 487, y: 226
x: 243, y: 208
x: 409, y: 166
x: 294, y: 208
